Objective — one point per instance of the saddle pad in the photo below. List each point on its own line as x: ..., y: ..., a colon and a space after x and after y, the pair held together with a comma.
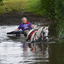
x: 30, y: 35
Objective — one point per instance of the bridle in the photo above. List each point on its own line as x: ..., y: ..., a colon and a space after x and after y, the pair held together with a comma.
x: 39, y: 38
x: 43, y: 34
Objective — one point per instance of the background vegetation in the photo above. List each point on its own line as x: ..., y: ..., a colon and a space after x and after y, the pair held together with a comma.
x: 53, y: 9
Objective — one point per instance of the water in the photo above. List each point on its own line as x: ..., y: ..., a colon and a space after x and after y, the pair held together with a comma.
x: 13, y: 51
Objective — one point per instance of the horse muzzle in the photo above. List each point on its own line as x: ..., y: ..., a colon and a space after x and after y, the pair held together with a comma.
x: 45, y: 38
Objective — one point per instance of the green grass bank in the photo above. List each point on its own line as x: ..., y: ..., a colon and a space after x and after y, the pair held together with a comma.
x: 21, y: 5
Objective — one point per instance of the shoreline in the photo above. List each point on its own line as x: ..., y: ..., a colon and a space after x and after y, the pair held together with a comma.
x: 14, y: 18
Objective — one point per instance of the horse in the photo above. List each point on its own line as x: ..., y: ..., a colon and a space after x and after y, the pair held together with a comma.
x: 37, y: 35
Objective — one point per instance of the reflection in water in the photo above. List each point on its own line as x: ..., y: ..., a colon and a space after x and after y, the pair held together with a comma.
x: 22, y: 53
x: 39, y: 51
x: 25, y: 45
x: 57, y: 52
x: 40, y: 47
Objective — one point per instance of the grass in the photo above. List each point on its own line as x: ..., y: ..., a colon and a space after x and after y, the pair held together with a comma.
x: 10, y: 5
x: 22, y: 5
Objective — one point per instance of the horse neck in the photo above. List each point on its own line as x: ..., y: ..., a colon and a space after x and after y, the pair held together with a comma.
x: 39, y: 32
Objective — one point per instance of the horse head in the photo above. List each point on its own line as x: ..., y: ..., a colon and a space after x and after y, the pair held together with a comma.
x: 44, y: 33
x: 40, y: 35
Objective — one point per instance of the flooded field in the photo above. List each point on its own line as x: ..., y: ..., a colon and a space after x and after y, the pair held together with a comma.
x: 14, y: 51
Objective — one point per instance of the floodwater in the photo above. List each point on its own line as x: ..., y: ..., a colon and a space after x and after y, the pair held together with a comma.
x: 14, y: 51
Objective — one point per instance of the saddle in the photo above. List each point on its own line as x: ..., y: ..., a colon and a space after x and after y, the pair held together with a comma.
x: 30, y: 34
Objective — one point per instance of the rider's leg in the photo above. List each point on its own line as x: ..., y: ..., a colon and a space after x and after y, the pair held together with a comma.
x: 17, y: 33
x: 26, y: 32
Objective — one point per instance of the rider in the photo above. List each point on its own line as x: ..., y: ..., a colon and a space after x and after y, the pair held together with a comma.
x: 25, y: 26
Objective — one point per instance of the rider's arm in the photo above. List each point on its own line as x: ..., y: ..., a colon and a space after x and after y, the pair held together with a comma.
x: 16, y: 29
x: 32, y: 26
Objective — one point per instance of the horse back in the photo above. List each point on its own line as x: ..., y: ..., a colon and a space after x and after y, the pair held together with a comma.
x: 31, y: 32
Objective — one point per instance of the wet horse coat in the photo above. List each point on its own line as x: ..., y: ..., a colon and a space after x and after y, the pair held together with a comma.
x: 38, y: 35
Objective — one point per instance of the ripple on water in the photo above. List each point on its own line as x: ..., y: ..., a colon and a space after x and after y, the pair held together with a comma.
x: 12, y: 51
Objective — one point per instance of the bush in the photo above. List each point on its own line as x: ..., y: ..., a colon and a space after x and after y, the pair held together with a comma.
x: 55, y: 10
x: 57, y: 28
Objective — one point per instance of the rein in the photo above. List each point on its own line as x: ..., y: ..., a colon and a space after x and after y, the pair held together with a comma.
x: 32, y: 33
x: 43, y: 33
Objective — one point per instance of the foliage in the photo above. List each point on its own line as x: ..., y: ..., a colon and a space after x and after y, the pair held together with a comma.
x: 10, y: 5
x: 57, y: 28
x: 1, y: 3
x: 48, y: 5
x: 35, y: 6
x: 1, y: 0
x: 54, y: 9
